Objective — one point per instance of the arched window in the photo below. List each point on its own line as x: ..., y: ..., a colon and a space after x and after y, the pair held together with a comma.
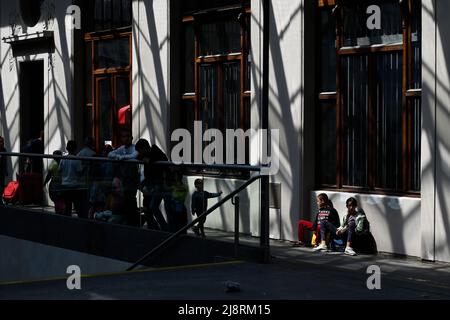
x: 30, y: 10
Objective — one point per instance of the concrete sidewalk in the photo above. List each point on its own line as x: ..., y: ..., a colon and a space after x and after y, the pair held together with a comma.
x: 294, y: 274
x: 413, y: 270
x: 408, y: 269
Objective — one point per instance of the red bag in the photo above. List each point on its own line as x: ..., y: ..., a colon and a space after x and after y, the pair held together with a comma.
x: 11, y: 192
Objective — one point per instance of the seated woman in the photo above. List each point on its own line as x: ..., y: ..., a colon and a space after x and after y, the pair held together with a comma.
x: 359, y: 236
x: 355, y: 228
x: 325, y: 209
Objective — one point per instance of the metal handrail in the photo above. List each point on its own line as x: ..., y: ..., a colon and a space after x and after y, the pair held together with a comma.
x: 163, y: 163
x: 189, y: 225
x: 264, y: 236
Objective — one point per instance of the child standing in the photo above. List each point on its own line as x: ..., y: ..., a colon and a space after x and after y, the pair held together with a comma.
x: 199, y: 204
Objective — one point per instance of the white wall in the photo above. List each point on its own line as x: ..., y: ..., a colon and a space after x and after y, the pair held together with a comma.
x: 442, y: 226
x: 436, y: 121
x: 285, y: 102
x: 428, y: 147
x: 223, y: 217
x: 394, y: 221
x: 57, y: 75
x: 150, y: 71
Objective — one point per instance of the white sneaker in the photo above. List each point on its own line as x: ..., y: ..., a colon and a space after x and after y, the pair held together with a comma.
x: 320, y: 247
x: 349, y: 251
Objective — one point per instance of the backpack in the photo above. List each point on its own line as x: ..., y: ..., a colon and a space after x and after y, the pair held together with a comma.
x: 365, y: 226
x: 11, y: 192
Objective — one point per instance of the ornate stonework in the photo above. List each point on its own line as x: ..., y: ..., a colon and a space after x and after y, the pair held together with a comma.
x: 14, y: 23
x: 49, y: 14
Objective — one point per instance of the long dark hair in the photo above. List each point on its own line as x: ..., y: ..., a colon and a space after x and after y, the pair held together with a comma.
x: 325, y: 199
x: 351, y: 201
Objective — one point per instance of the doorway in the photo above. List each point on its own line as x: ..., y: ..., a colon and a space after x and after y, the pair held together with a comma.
x: 31, y: 88
x: 31, y: 84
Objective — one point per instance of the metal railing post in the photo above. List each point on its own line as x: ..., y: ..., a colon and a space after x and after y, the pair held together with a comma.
x: 264, y: 220
x: 264, y: 227
x: 236, y: 226
x: 193, y: 222
x: 264, y: 241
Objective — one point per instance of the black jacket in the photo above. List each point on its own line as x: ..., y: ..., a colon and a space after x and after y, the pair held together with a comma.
x: 329, y: 214
x: 154, y: 174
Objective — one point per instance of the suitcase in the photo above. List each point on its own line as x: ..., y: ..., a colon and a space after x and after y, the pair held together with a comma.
x: 11, y: 193
x: 31, y: 188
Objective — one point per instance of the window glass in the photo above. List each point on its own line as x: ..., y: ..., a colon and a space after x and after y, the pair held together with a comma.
x: 30, y: 10
x: 220, y: 37
x: 327, y: 51
x: 107, y: 14
x: 189, y: 54
x: 355, y: 89
x: 113, y: 53
x: 188, y: 7
x: 416, y: 143
x: 111, y: 14
x: 98, y: 15
x: 356, y: 32
x: 209, y: 96
x: 105, y: 110
x: 232, y: 95
x: 122, y: 91
x: 416, y: 48
x: 88, y: 70
x: 326, y: 128
x: 126, y: 13
x: 389, y: 120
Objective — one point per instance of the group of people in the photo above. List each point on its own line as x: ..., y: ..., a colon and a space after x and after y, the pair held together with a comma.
x: 107, y: 190
x: 353, y: 229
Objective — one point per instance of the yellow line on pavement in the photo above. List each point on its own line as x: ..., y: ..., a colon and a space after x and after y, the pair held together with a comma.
x: 122, y: 273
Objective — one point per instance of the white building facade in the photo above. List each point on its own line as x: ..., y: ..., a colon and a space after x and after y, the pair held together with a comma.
x: 360, y: 97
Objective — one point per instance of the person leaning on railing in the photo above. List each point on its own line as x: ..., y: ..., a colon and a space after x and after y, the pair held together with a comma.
x: 128, y: 174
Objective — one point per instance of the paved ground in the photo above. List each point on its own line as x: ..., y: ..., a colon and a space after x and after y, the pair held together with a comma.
x: 293, y: 274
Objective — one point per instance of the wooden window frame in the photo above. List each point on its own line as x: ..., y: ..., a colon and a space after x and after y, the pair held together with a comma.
x: 408, y: 95
x: 242, y: 57
x: 92, y: 39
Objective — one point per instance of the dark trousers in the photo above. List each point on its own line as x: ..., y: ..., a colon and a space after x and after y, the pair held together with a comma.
x: 2, y: 188
x: 153, y: 215
x: 177, y: 216
x: 79, y: 198
x: 130, y: 207
x: 326, y: 226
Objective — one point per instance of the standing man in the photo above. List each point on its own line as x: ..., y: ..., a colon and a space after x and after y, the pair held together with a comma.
x: 128, y: 174
x: 73, y: 191
x: 35, y: 146
x: 154, y: 185
x: 87, y: 170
